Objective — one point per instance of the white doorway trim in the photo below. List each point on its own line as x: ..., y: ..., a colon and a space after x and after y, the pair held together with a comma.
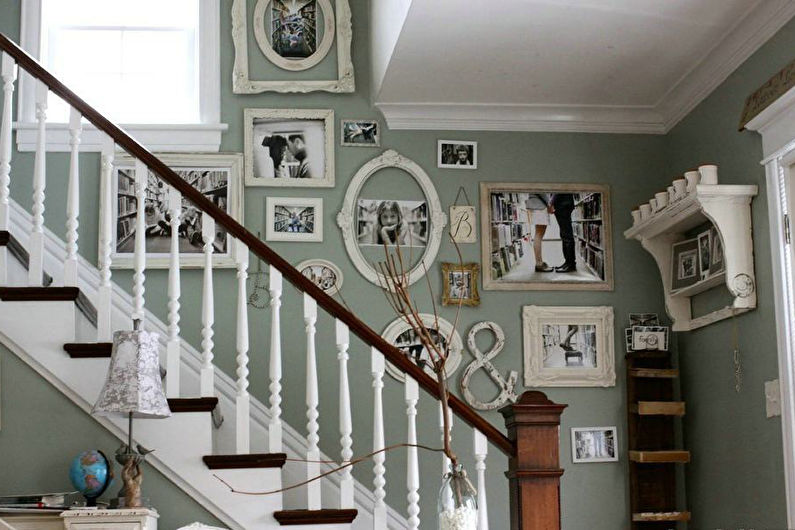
x: 777, y: 125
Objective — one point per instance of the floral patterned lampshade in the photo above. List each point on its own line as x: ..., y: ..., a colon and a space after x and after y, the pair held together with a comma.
x: 133, y: 383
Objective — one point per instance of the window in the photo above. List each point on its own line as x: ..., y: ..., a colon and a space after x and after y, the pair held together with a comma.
x: 151, y: 65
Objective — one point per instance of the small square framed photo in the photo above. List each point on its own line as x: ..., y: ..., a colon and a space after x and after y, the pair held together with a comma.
x: 594, y: 444
x: 457, y: 154
x: 460, y: 284
x: 294, y: 219
x: 360, y: 133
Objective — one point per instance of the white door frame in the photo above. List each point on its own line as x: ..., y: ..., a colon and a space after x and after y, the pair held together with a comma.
x: 777, y: 125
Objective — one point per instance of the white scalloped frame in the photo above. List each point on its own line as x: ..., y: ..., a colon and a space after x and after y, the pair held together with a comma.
x: 535, y: 375
x: 399, y: 325
x: 346, y: 221
x: 318, y: 262
x: 243, y: 84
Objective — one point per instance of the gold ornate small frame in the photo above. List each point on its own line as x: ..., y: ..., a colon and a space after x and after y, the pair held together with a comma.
x: 455, y: 292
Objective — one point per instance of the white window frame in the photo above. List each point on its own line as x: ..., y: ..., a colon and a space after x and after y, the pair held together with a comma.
x: 776, y: 123
x: 203, y: 137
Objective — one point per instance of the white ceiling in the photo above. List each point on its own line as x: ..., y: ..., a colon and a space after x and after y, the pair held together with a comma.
x: 600, y: 65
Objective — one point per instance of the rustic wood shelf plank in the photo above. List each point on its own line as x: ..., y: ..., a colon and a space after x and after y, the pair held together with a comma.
x: 660, y: 457
x: 654, y: 373
x: 659, y: 408
x: 660, y: 516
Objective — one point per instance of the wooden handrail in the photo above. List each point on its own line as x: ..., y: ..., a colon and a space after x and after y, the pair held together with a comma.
x: 255, y: 245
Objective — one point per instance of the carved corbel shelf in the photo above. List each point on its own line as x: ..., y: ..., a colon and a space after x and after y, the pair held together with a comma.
x: 728, y: 208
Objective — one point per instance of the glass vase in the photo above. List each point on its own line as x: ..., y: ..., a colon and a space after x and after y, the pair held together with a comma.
x: 458, y: 505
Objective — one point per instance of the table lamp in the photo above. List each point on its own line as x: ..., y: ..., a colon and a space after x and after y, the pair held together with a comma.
x: 133, y: 389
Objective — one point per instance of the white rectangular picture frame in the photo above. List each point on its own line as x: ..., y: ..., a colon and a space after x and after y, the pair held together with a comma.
x: 232, y: 162
x: 442, y: 154
x: 323, y: 150
x: 598, y: 449
x: 270, y: 218
x: 537, y: 375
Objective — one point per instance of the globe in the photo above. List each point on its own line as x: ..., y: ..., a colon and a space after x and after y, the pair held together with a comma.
x: 91, y: 474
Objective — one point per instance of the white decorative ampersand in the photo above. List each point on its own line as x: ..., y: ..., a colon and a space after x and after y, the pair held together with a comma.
x: 482, y: 361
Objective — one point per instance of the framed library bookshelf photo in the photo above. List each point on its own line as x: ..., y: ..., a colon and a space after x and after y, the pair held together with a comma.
x: 294, y: 219
x: 546, y: 236
x: 218, y: 176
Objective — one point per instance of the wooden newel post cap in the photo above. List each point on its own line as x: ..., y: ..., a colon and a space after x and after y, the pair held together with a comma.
x: 533, y: 408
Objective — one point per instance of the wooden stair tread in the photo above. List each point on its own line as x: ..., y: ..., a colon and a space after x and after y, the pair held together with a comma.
x: 88, y: 350
x: 5, y: 237
x: 660, y: 516
x: 201, y: 404
x: 255, y: 460
x: 659, y: 457
x: 39, y: 294
x: 659, y: 408
x: 324, y: 516
x: 653, y: 373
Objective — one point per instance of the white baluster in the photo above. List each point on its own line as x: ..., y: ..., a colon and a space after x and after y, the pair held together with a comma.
x: 481, y: 449
x: 312, y: 427
x: 379, y: 481
x: 8, y: 72
x: 275, y: 370
x: 107, y: 200
x: 346, y: 425
x: 445, y: 460
x: 413, y: 470
x: 36, y: 242
x: 242, y: 400
x: 141, y: 177
x: 208, y: 309
x: 73, y: 200
x: 174, y: 348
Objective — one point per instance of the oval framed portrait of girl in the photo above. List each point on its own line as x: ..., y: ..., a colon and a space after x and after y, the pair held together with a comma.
x: 414, y: 226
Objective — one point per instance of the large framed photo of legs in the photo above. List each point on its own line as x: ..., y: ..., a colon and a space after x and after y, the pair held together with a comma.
x: 546, y: 236
x: 218, y: 176
x: 289, y: 147
x: 568, y: 346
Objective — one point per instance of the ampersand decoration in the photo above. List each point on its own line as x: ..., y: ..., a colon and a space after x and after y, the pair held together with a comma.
x: 482, y: 361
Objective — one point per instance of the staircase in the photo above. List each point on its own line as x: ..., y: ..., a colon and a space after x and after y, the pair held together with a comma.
x: 217, y: 427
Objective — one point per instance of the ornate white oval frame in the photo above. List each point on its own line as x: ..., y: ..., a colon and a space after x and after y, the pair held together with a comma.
x: 317, y: 262
x: 294, y: 65
x: 346, y: 221
x: 398, y: 326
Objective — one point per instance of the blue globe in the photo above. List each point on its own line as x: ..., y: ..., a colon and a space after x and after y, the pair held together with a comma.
x: 91, y: 474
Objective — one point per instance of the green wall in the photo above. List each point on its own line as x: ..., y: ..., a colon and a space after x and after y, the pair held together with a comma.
x: 736, y: 477
x: 594, y: 496
x: 42, y: 430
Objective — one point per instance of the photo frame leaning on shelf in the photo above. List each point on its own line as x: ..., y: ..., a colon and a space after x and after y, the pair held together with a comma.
x: 572, y: 222
x: 337, y: 30
x: 684, y: 264
x: 217, y: 175
x: 568, y: 346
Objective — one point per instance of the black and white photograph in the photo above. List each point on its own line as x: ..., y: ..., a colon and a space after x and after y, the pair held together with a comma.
x: 460, y: 284
x: 704, y: 250
x: 716, y: 254
x: 294, y: 28
x: 294, y: 219
x: 643, y: 319
x: 391, y: 222
x: 545, y: 236
x: 322, y: 273
x: 569, y: 345
x: 403, y: 337
x: 216, y: 176
x: 594, y: 444
x: 457, y: 154
x: 684, y: 265
x: 360, y: 133
x: 285, y: 151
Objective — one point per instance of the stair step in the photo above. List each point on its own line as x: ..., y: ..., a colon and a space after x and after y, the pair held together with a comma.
x: 324, y: 516
x: 660, y: 516
x: 5, y: 237
x: 659, y: 408
x: 660, y: 457
x: 256, y: 460
x: 202, y: 404
x: 88, y: 350
x: 39, y: 294
x: 662, y: 373
x: 16, y: 249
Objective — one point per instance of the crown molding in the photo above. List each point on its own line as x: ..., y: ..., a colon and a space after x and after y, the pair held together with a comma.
x: 532, y: 118
x: 739, y: 43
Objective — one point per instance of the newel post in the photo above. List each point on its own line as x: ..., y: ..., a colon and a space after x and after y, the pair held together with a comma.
x: 534, y: 471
